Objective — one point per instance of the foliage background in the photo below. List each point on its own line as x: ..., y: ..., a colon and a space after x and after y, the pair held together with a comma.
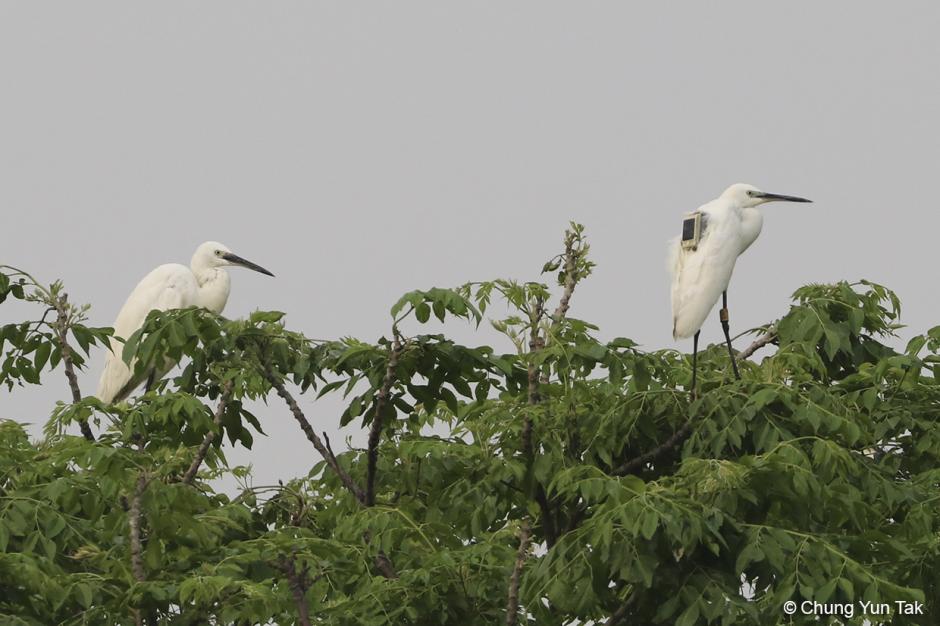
x: 577, y: 482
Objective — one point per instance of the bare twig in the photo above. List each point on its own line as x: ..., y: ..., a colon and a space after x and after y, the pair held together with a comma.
x: 326, y: 441
x: 328, y: 456
x: 61, y: 328
x: 769, y: 337
x: 673, y: 441
x: 190, y: 474
x: 512, y: 606
x: 375, y: 431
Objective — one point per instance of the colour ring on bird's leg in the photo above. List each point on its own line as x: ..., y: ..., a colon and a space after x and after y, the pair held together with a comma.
x: 726, y: 327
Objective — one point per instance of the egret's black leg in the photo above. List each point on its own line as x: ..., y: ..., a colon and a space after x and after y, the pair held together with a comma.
x: 726, y: 327
x: 151, y: 379
x: 694, y: 360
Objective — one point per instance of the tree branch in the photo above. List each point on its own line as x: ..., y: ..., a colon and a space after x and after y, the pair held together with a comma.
x: 61, y: 328
x: 512, y: 606
x: 133, y: 522
x: 618, y: 616
x: 384, y: 565
x: 375, y: 431
x: 571, y: 278
x: 572, y: 255
x: 548, y: 519
x: 328, y: 456
x: 769, y: 337
x: 382, y: 562
x: 298, y: 586
x: 673, y: 441
x: 579, y: 512
x: 190, y: 474
x: 536, y: 343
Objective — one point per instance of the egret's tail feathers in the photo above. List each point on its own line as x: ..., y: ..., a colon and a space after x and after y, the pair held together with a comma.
x: 113, y: 379
x: 683, y: 327
x: 118, y: 382
x: 126, y: 390
x: 689, y: 316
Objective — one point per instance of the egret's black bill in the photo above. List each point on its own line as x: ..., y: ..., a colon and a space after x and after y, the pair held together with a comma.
x: 780, y: 197
x: 237, y: 260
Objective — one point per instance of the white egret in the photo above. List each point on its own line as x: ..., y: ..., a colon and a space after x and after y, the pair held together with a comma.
x: 172, y: 286
x: 702, y: 259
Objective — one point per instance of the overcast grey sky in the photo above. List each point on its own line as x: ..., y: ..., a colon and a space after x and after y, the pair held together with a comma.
x: 360, y: 150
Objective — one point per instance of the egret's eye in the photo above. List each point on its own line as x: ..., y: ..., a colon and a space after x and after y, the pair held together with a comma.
x: 218, y: 253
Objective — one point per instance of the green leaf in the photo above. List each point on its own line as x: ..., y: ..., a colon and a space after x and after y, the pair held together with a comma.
x: 176, y: 335
x: 84, y: 595
x: 650, y: 520
x: 83, y: 337
x: 42, y: 355
x: 439, y: 309
x: 689, y: 616
x: 825, y: 592
x: 269, y: 317
x: 423, y: 312
x: 591, y: 350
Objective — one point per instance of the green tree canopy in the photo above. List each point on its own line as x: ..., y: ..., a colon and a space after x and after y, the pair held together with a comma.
x: 577, y: 481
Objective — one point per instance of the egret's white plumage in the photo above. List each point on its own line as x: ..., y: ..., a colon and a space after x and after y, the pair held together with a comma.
x: 172, y: 286
x: 732, y: 223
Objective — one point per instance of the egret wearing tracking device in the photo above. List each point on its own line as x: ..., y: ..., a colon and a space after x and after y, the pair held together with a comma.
x: 702, y: 259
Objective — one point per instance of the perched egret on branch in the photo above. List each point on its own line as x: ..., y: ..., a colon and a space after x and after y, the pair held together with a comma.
x: 702, y: 259
x: 205, y: 283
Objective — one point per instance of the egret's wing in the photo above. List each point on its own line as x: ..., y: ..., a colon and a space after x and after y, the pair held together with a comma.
x: 167, y: 287
x: 698, y: 278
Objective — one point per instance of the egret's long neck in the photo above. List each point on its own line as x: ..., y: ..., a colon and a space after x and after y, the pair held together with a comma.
x: 214, y: 286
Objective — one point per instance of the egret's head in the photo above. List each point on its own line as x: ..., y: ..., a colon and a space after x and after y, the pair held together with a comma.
x: 215, y: 254
x: 748, y: 196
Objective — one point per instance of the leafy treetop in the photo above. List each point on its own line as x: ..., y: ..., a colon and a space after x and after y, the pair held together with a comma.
x: 577, y: 482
